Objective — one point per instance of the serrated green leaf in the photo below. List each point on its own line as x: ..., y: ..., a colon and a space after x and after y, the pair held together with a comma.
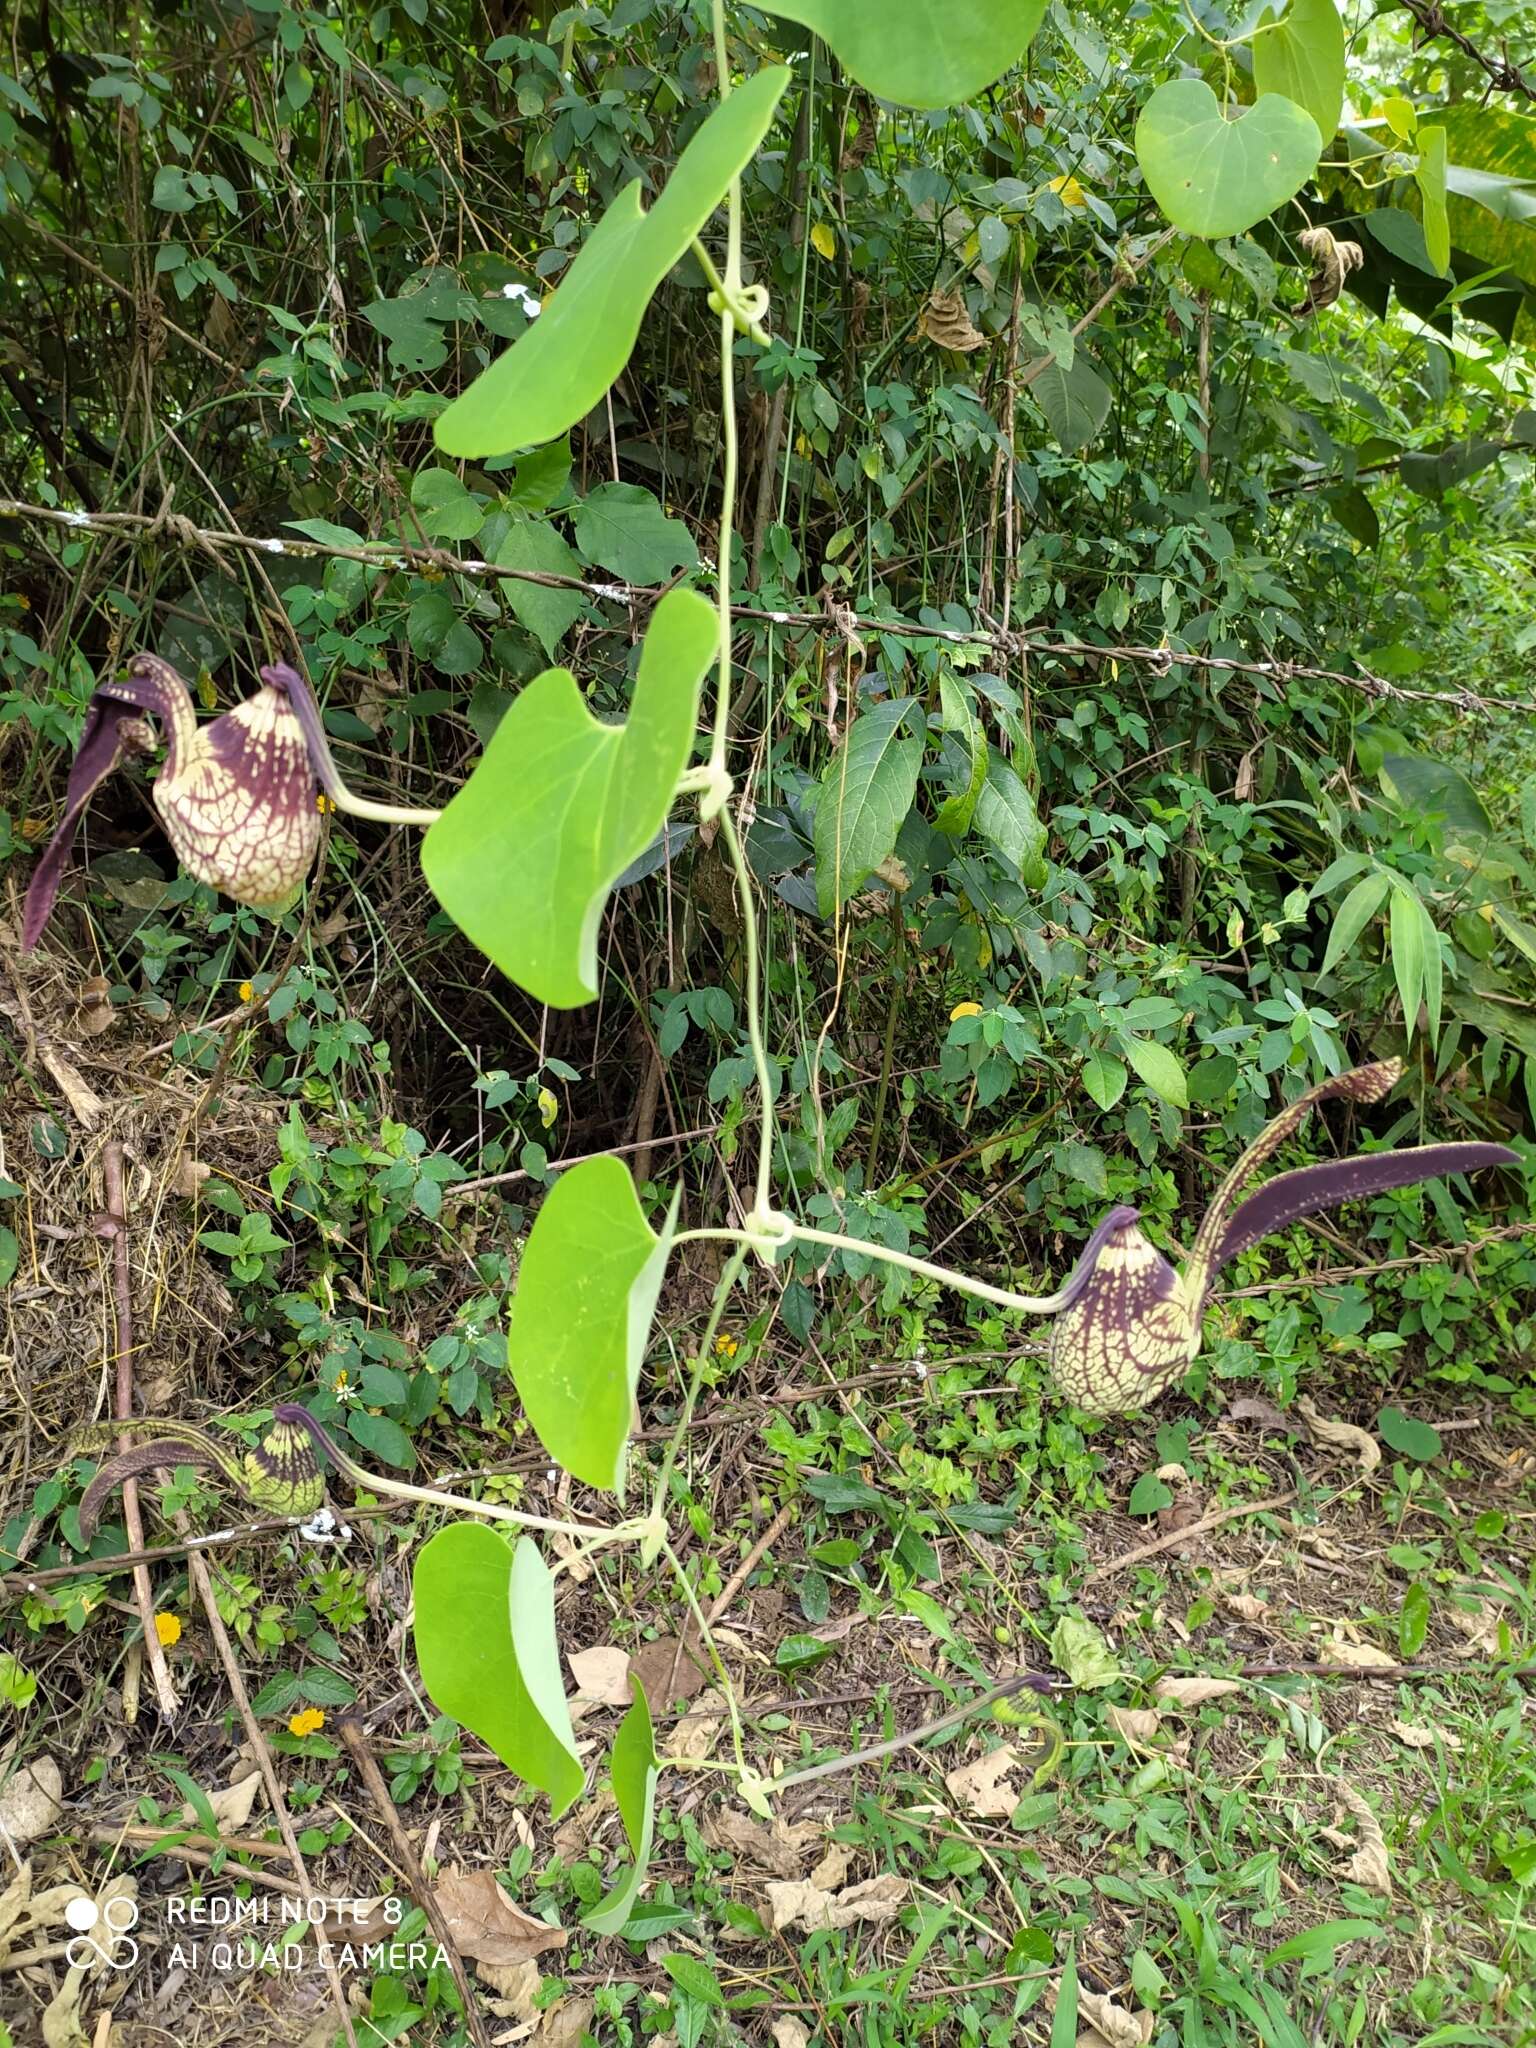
x: 586, y: 1292
x: 957, y: 811
x: 1157, y: 1067
x: 553, y: 375
x: 1406, y: 936
x: 1076, y: 401
x: 1007, y: 817
x: 1104, y: 1078
x: 546, y: 610
x: 635, y: 1767
x: 1217, y: 176
x: 920, y: 53
x: 1303, y: 59
x: 485, y: 1641
x: 1354, y: 914
x: 866, y: 793
x: 526, y: 854
x: 622, y: 528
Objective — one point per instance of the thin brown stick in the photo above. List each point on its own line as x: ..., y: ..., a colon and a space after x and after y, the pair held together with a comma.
x: 354, y: 1735
x: 751, y: 1561
x: 113, y: 1225
x: 198, y: 1857
x: 1213, y: 1520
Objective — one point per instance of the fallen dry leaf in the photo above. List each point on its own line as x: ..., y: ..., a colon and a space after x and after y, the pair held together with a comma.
x: 1254, y: 1408
x: 788, y: 2033
x: 1194, y: 1692
x: 485, y: 1924
x: 696, y: 1734
x: 564, y: 2024
x: 1480, y: 1629
x: 1246, y: 1606
x: 232, y: 1804
x: 602, y: 1675
x: 1110, y: 2025
x: 783, y: 1849
x: 1356, y: 1656
x: 1344, y: 1434
x: 95, y: 1013
x: 670, y: 1669
x: 1368, y: 1866
x: 30, y: 1801
x: 1425, y: 1737
x: 833, y: 1867
x: 189, y: 1176
x: 879, y: 1898
x: 982, y: 1787
x: 514, y: 1988
x: 1135, y: 1726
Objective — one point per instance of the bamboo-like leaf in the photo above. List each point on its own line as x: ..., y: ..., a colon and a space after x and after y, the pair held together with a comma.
x: 866, y: 793
x: 485, y: 1641
x: 1430, y: 177
x: 586, y: 1293
x: 1354, y: 914
x: 960, y: 718
x: 1434, y: 970
x: 921, y: 53
x: 1407, y: 938
x: 526, y: 854
x: 635, y: 1769
x: 555, y: 373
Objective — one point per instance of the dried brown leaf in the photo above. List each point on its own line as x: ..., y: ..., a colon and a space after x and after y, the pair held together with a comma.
x: 1368, y: 1866
x: 781, y: 1848
x: 602, y: 1675
x: 485, y: 1924
x: 30, y: 1801
x: 514, y: 1989
x: 789, y: 2033
x: 564, y: 2024
x: 947, y: 324
x: 879, y: 1898
x: 1109, y: 2025
x: 982, y: 1787
x: 1194, y: 1692
x: 1426, y: 1737
x: 833, y: 1867
x: 1254, y: 1408
x: 1246, y: 1606
x: 696, y: 1734
x: 1356, y: 1656
x: 1135, y: 1726
x: 1346, y: 1435
x: 671, y: 1668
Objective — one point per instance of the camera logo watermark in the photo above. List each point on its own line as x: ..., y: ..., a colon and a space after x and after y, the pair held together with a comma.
x: 112, y: 1921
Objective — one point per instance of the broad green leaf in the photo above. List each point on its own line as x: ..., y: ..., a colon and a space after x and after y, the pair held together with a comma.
x: 1320, y: 1942
x: 1064, y: 2018
x: 1430, y: 179
x: 382, y: 1438
x: 694, y: 1979
x: 1405, y: 1433
x: 586, y: 1292
x: 960, y: 718
x: 445, y: 509
x: 1491, y: 184
x: 921, y: 53
x: 1006, y: 815
x: 10, y: 1254
x: 866, y: 792
x: 1080, y: 1649
x: 526, y: 853
x: 1436, y: 787
x: 1354, y: 914
x: 1413, y: 1621
x: 1303, y: 60
x: 540, y: 478
x: 1213, y: 176
x: 546, y: 610
x: 1356, y: 514
x: 1406, y: 933
x: 555, y: 373
x: 635, y: 1768
x: 1104, y: 1078
x: 1157, y: 1067
x: 485, y: 1641
x: 623, y: 528
x: 1075, y: 401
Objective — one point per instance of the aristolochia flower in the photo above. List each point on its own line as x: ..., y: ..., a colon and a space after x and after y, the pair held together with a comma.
x: 237, y: 796
x: 1130, y: 1324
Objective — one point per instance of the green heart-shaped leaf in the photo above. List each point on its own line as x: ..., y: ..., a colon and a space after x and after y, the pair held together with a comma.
x: 635, y: 1768
x: 586, y: 1292
x: 922, y: 53
x: 1303, y: 59
x: 485, y: 1641
x: 555, y: 373
x: 1212, y: 176
x: 526, y: 853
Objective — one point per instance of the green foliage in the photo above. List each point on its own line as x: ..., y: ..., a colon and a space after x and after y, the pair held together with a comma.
x: 566, y: 802
x: 1215, y: 173
x: 1301, y: 57
x: 485, y: 1640
x: 933, y: 56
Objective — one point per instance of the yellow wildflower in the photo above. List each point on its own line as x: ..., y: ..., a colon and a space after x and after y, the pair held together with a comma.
x: 246, y: 992
x: 964, y: 1010
x: 308, y: 1722
x: 323, y: 802
x: 549, y: 1106
x: 168, y: 1629
x: 1068, y: 190
x: 726, y: 1346
x: 823, y: 241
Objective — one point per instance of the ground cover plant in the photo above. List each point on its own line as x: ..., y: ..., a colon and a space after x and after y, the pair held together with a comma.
x: 841, y: 666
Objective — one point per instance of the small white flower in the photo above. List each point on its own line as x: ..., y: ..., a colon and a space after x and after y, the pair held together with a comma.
x: 920, y: 1370
x: 552, y: 1475
x: 530, y: 302
x: 323, y: 1527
